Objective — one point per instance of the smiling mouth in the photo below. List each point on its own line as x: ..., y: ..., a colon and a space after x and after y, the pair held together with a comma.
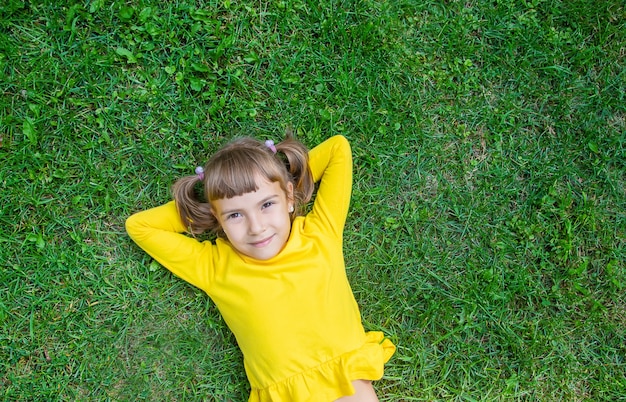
x: 263, y: 242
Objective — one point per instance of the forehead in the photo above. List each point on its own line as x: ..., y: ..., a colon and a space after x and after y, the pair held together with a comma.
x: 233, y: 175
x: 265, y: 190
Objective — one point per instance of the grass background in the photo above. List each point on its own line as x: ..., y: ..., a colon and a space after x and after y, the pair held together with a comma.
x: 487, y: 229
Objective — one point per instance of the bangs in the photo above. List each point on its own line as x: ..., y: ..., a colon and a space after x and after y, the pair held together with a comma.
x: 237, y: 173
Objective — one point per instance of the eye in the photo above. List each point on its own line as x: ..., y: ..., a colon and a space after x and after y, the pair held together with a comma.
x: 267, y: 204
x: 234, y: 215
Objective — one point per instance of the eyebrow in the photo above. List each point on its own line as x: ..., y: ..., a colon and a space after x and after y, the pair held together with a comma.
x: 263, y: 201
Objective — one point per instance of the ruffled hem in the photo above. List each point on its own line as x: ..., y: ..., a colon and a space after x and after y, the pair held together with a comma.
x: 332, y: 379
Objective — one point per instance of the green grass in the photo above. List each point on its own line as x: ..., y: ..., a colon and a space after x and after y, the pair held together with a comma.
x: 487, y: 230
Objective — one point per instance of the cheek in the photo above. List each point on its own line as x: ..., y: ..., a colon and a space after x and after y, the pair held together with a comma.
x: 229, y: 230
x: 286, y: 219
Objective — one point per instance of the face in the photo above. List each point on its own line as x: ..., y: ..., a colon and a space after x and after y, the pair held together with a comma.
x: 257, y: 224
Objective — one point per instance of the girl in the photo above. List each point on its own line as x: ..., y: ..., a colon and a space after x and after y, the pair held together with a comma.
x: 277, y: 278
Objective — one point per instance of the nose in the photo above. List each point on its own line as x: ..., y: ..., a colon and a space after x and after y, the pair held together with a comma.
x: 256, y: 224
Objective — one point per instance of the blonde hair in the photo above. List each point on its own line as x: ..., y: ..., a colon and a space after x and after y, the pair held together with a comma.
x: 233, y: 170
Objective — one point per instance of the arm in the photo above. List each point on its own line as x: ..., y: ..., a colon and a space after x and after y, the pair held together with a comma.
x: 159, y: 232
x: 331, y: 164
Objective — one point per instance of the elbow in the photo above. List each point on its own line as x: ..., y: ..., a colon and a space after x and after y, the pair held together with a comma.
x: 342, y: 139
x: 131, y: 225
x: 344, y: 145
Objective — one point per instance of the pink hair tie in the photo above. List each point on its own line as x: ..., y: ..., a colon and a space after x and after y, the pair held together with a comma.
x: 200, y: 173
x: 270, y: 145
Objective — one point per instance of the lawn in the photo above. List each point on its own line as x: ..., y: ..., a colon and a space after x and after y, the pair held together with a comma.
x: 487, y: 233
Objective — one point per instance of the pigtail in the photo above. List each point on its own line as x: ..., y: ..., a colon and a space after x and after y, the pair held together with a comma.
x: 193, y: 210
x: 297, y: 163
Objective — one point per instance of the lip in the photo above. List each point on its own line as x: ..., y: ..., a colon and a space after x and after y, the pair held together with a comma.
x: 262, y: 243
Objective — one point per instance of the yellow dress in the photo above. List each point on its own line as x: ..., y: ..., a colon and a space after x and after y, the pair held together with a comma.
x: 294, y: 316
